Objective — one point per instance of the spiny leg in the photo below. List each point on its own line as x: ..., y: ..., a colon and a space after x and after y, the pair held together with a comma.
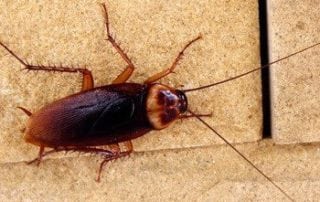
x: 87, y: 81
x: 125, y: 74
x: 129, y: 146
x: 170, y: 70
x: 40, y: 156
x: 93, y: 150
x: 114, y: 148
x: 129, y: 150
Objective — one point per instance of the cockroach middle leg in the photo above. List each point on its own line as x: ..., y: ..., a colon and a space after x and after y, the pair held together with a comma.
x: 41, y: 150
x: 40, y: 156
x: 116, y: 155
x: 170, y: 70
x: 87, y: 81
x: 115, y: 148
x: 126, y: 73
x: 129, y: 146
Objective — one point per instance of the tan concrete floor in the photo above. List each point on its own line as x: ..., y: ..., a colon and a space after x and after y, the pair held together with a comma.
x: 152, y: 32
x: 294, y: 25
x: 192, y: 174
x: 185, y: 161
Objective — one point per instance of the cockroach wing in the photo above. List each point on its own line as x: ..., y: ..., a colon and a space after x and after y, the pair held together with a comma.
x: 95, y: 117
x: 113, y: 115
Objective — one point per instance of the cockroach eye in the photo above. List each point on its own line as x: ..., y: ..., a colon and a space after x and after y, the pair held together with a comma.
x: 183, y: 101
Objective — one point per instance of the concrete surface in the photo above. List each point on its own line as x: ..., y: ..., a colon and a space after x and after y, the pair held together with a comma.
x: 194, y: 174
x: 294, y: 25
x: 152, y: 32
x: 182, y: 162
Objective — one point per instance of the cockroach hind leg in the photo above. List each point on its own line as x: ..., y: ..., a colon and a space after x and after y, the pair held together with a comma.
x: 27, y: 112
x: 39, y: 158
x: 87, y: 82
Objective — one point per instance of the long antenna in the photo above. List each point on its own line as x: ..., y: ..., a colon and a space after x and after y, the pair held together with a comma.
x: 249, y: 72
x: 242, y: 156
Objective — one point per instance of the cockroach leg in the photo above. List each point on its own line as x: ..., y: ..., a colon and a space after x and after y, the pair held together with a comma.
x: 129, y: 146
x: 110, y: 158
x: 87, y: 78
x: 27, y: 112
x: 87, y: 82
x: 117, y: 154
x: 170, y: 70
x: 114, y: 148
x: 103, y: 152
x: 99, y: 151
x: 41, y: 150
x: 125, y: 74
x: 39, y: 158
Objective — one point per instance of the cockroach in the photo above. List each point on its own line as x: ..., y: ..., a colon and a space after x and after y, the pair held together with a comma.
x: 116, y: 113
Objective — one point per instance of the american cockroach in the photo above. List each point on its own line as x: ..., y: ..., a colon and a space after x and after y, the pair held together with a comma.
x: 115, y: 113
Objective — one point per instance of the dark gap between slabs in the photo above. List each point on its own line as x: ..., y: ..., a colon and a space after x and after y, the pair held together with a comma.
x: 265, y: 75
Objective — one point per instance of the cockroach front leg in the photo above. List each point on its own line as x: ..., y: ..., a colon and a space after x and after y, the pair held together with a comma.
x: 170, y: 70
x: 87, y: 81
x: 125, y: 74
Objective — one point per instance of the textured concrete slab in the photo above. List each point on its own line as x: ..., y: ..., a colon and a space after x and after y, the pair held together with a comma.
x: 294, y: 25
x: 199, y: 174
x: 152, y: 32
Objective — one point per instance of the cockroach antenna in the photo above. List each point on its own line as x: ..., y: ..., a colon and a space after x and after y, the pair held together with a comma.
x: 224, y: 139
x: 249, y: 72
x: 240, y: 154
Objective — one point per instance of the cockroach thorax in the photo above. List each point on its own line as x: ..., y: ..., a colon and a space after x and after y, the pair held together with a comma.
x: 164, y: 105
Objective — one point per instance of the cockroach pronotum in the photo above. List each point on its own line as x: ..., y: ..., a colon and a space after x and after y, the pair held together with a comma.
x: 115, y: 113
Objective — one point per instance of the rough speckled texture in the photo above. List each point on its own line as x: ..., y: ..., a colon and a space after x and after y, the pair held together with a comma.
x: 294, y: 25
x: 152, y: 32
x: 199, y: 174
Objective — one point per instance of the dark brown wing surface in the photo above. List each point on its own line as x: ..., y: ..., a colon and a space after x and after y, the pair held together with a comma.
x: 96, y: 117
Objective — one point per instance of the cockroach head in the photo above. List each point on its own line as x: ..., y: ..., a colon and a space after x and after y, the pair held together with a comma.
x: 164, y: 105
